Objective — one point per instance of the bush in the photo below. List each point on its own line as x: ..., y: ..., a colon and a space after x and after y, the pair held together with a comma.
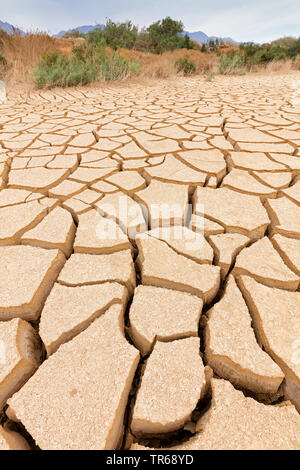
x: 279, y: 50
x: 117, y: 67
x: 57, y: 70
x: 186, y: 66
x: 231, y: 64
x: 87, y: 64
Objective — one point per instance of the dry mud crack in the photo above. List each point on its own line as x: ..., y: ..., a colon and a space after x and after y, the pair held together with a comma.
x: 150, y: 266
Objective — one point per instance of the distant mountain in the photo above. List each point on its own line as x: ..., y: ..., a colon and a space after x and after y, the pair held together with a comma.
x: 202, y: 38
x: 9, y: 29
x: 198, y: 36
x: 81, y: 29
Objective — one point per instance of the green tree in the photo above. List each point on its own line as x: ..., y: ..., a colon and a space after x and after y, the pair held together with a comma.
x: 166, y: 34
x: 117, y: 34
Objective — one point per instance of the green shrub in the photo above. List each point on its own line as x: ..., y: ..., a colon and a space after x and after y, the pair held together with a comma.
x: 281, y: 49
x: 87, y: 64
x: 186, y: 66
x: 231, y: 64
x: 65, y: 72
x: 1, y: 59
x: 117, y: 67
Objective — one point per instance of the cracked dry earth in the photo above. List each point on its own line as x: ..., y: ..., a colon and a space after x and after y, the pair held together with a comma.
x: 148, y: 341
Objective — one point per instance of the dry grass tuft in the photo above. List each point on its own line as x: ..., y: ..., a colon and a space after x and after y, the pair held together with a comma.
x: 22, y: 54
x: 163, y: 66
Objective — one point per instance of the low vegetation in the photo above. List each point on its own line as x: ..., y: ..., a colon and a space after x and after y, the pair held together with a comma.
x: 250, y: 56
x: 87, y: 64
x: 186, y: 66
x: 122, y: 50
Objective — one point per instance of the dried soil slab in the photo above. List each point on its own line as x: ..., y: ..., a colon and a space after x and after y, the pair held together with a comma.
x: 83, y: 140
x: 26, y: 277
x: 289, y: 250
x: 172, y: 384
x: 135, y: 164
x: 125, y: 211
x: 205, y: 226
x: 235, y: 422
x: 76, y: 207
x: 250, y: 135
x: 15, y: 220
x: 64, y: 162
x: 293, y: 193
x: 10, y: 440
x: 69, y: 310
x: 83, y: 269
x: 254, y: 161
x: 208, y: 161
x: 104, y: 187
x: 265, y: 147
x: 86, y: 375
x: 161, y: 266
x: 57, y: 230
x: 173, y: 170
x: 276, y: 317
x: 164, y: 204
x: 285, y: 217
x: 107, y: 163
x: 162, y: 314
x: 88, y: 196
x: 185, y: 242
x: 20, y: 355
x: 242, y: 181
x: 211, y: 182
x: 131, y: 150
x: 91, y: 175
x: 276, y: 180
x: 293, y: 163
x: 10, y: 197
x: 39, y: 179
x: 154, y: 145
x: 66, y: 189
x: 128, y: 181
x: 227, y: 208
x: 173, y: 132
x: 245, y: 364
x: 263, y: 262
x: 226, y: 247
x: 98, y: 235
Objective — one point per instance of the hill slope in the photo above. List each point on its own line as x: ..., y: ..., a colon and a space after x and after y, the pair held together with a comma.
x: 9, y: 29
x: 81, y: 29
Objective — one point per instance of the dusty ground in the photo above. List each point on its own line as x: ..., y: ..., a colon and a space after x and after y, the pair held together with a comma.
x: 116, y: 332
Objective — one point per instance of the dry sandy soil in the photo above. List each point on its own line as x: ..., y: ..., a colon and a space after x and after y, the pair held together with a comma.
x: 150, y: 266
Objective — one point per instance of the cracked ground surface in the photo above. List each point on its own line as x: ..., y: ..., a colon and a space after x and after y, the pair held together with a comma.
x: 117, y: 334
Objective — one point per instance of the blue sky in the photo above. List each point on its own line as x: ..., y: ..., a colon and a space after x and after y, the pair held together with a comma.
x: 257, y: 20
